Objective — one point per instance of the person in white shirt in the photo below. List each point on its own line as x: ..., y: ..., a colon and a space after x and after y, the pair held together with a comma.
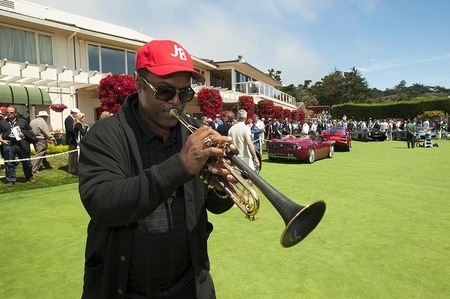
x: 241, y: 136
x: 305, y: 128
x: 314, y: 126
x: 258, y: 133
x: 426, y: 124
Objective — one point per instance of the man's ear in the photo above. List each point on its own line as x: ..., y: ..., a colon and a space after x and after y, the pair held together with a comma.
x: 138, y: 81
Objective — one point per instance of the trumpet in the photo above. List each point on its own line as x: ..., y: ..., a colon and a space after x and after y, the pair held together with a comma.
x: 299, y: 220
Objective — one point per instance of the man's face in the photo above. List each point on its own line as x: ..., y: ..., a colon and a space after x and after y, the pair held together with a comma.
x: 155, y: 112
x: 11, y: 113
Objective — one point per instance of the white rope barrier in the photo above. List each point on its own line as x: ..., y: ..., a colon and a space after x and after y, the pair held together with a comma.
x: 42, y: 157
x: 259, y: 141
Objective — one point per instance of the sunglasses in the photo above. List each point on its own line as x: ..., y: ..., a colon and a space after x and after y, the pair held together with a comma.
x: 165, y: 93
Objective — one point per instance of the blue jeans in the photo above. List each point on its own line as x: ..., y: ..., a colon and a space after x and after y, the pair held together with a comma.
x: 10, y: 152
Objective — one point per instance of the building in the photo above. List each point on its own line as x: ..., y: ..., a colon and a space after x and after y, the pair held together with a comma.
x: 49, y: 56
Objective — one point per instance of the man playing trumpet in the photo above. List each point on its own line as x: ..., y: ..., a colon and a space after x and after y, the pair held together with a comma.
x: 138, y: 181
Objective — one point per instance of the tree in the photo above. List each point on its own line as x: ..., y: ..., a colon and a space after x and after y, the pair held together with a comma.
x: 210, y: 102
x: 400, y: 89
x: 338, y: 87
x: 301, y: 93
x: 113, y: 90
x: 417, y: 89
x: 354, y: 88
x: 328, y: 91
x: 275, y: 75
x: 440, y: 90
x: 306, y: 84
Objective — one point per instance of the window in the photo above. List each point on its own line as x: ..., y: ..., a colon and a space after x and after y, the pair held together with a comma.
x: 113, y: 61
x: 131, y: 61
x: 20, y: 46
x: 241, y: 78
x: 45, y: 49
x: 221, y: 79
x: 94, y: 55
x: 195, y: 82
x: 110, y: 60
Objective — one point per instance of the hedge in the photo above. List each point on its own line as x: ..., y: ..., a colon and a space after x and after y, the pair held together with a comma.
x: 404, y: 109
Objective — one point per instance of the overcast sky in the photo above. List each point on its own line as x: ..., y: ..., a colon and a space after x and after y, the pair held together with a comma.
x: 387, y: 40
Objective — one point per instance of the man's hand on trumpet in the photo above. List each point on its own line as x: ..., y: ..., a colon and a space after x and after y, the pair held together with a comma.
x: 203, y: 144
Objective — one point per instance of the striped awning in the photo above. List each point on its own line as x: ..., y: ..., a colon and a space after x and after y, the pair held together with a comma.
x: 24, y: 95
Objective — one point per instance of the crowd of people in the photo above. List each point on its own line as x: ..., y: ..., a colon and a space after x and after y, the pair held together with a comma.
x: 261, y: 130
x: 18, y: 137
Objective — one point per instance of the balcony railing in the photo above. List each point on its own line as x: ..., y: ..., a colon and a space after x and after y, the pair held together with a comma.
x: 261, y: 89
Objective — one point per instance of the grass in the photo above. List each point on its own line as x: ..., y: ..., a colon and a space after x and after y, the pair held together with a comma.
x: 48, y: 177
x: 384, y: 235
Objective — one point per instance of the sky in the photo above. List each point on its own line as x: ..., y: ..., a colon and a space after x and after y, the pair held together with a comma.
x: 386, y: 40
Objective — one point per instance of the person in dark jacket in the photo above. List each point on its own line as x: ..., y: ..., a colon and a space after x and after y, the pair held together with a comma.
x: 410, y: 133
x: 138, y: 181
x: 71, y: 141
x: 13, y: 137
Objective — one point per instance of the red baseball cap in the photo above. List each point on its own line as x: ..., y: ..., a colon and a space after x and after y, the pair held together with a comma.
x: 165, y: 57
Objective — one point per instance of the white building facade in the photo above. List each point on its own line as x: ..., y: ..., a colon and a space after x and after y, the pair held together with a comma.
x: 49, y: 56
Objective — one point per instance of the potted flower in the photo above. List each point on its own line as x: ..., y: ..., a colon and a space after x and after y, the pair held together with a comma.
x: 58, y: 134
x: 58, y: 107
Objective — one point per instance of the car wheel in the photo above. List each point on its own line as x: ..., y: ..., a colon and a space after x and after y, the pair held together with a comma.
x: 311, y: 156
x: 331, y: 152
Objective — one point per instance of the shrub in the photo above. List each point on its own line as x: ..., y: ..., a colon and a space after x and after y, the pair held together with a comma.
x: 210, y: 102
x: 56, y: 149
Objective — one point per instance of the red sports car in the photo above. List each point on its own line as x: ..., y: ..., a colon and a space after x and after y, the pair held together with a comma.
x: 306, y: 148
x: 342, y: 138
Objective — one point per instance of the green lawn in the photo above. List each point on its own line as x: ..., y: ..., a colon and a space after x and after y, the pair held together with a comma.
x: 385, y: 233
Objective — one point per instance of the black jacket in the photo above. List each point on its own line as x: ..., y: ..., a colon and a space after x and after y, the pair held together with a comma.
x: 5, y: 128
x: 29, y: 137
x: 70, y: 133
x: 117, y: 192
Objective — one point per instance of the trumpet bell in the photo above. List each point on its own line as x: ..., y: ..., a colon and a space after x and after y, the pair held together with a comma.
x: 300, y: 222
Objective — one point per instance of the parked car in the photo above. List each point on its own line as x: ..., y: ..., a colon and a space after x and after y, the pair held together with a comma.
x: 399, y: 135
x: 307, y: 148
x: 342, y: 138
x: 421, y: 134
x: 366, y: 134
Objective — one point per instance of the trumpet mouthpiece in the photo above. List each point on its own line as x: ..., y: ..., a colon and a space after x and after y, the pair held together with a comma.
x: 174, y: 113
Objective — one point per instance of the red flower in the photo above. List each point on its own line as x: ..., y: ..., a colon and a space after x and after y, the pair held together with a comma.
x: 246, y: 103
x: 266, y: 109
x: 58, y: 106
x: 210, y: 102
x: 113, y: 90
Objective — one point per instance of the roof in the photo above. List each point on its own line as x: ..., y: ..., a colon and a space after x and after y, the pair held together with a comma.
x: 76, y: 21
x: 249, y: 70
